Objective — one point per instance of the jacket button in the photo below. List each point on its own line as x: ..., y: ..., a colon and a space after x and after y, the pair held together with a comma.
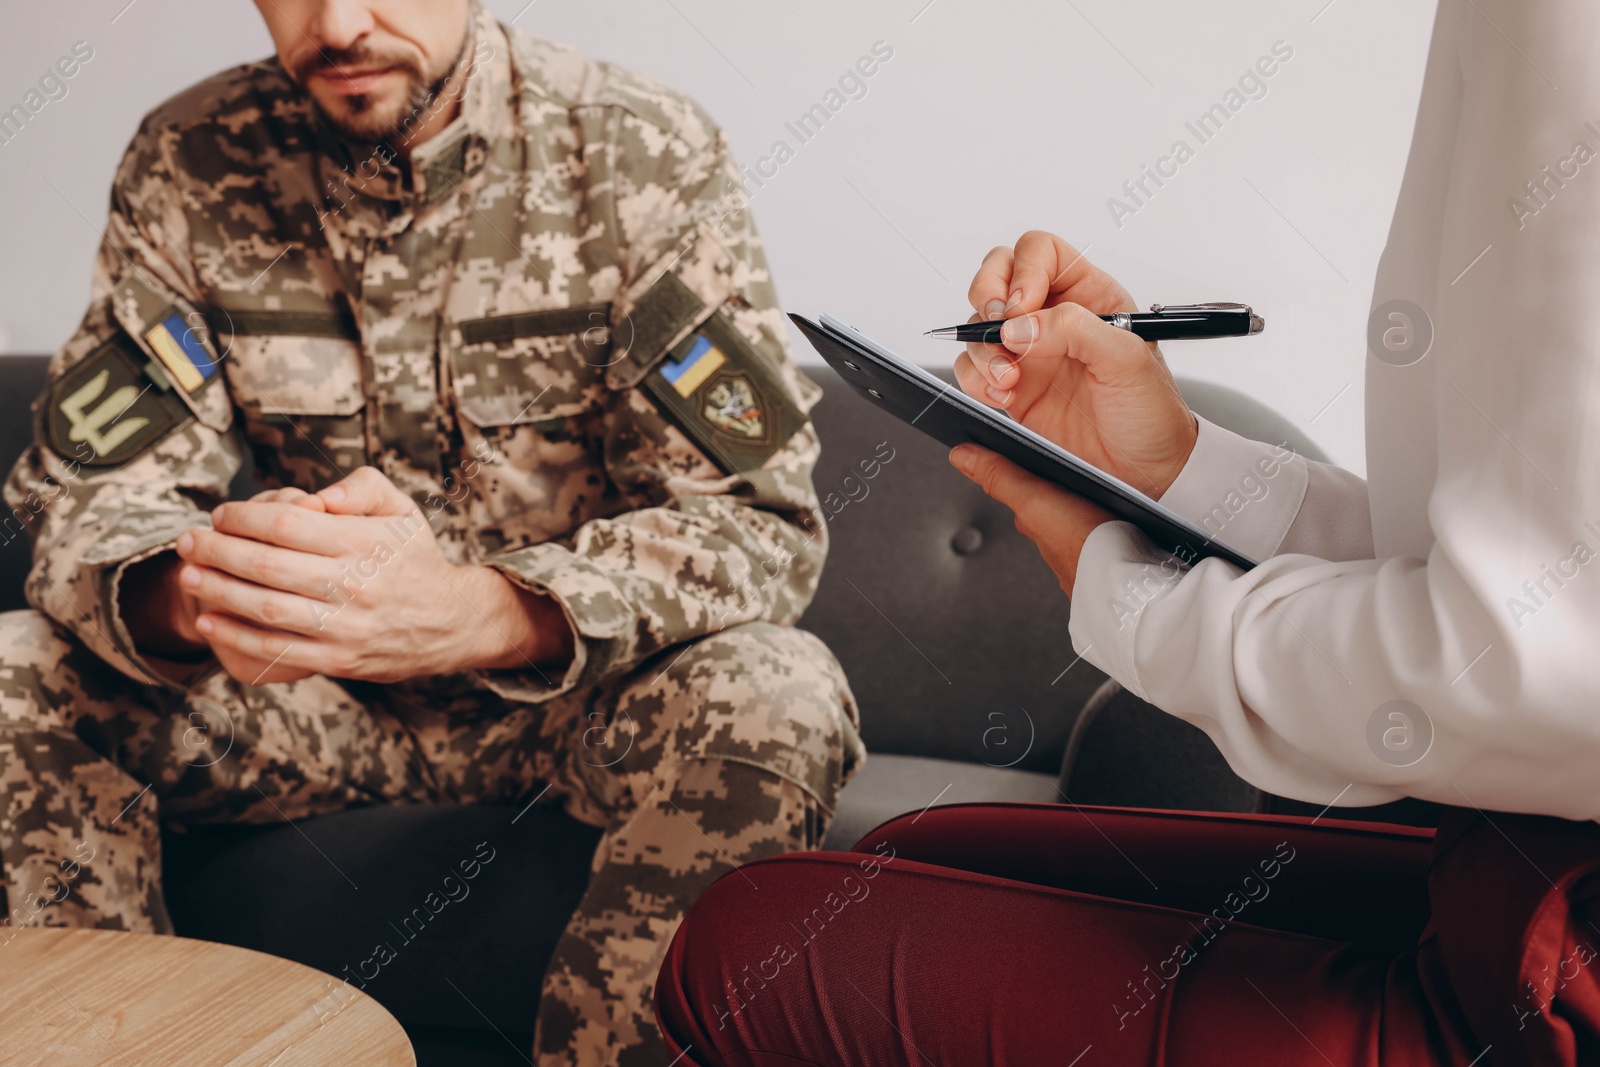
x: 967, y: 541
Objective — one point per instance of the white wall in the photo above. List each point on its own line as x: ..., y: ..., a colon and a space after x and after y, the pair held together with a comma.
x: 992, y: 117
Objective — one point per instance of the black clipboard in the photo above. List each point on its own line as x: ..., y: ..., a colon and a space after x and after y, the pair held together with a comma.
x: 948, y: 415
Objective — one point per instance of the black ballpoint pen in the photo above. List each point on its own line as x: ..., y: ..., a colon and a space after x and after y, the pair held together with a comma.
x: 1165, y: 322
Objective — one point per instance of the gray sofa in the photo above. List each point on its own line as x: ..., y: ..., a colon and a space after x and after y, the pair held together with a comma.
x: 954, y: 635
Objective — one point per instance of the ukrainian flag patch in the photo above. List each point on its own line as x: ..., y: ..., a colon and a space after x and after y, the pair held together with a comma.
x: 181, y: 352
x: 726, y: 396
x: 690, y: 372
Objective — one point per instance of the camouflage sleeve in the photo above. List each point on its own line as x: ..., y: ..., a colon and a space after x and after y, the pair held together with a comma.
x: 131, y: 443
x: 707, y: 433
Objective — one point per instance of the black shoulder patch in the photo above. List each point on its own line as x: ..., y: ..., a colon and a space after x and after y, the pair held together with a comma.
x: 719, y: 390
x: 108, y: 408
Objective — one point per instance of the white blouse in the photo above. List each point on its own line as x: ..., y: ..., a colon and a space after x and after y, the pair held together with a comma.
x: 1434, y: 632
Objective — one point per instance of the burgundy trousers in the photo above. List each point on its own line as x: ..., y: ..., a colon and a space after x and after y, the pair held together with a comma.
x: 1046, y: 934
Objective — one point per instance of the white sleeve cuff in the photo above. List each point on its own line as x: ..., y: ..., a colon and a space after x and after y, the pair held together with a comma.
x: 1243, y: 493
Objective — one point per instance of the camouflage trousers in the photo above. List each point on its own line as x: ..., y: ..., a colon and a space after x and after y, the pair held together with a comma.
x: 722, y: 752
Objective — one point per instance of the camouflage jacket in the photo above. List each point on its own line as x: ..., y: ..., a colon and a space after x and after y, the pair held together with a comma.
x: 556, y: 330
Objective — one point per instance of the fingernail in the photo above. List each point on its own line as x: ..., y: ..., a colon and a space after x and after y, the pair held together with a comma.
x: 1016, y: 299
x: 994, y: 309
x: 999, y: 396
x: 1020, y: 330
x: 962, y: 457
x: 185, y: 543
x: 333, y: 494
x: 189, y: 578
x: 999, y: 365
x: 204, y: 625
x: 216, y: 514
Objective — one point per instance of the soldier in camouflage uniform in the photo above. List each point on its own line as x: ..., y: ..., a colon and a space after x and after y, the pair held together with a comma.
x: 542, y: 352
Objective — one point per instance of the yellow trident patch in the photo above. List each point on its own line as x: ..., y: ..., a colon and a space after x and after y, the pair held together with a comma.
x: 106, y: 406
x: 100, y: 428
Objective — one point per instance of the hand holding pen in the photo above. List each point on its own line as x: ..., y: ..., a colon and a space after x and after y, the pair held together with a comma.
x: 1063, y: 368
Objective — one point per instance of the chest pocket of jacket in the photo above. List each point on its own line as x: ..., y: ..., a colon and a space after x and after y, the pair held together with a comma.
x: 512, y: 370
x: 297, y: 380
x: 530, y: 392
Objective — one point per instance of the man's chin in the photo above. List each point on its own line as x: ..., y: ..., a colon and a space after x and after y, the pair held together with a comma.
x: 365, y: 116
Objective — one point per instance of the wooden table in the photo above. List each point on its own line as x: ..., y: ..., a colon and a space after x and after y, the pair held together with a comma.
x: 83, y: 998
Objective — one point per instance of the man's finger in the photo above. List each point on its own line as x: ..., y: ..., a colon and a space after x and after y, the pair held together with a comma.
x: 273, y: 647
x: 287, y: 495
x: 367, y: 491
x: 254, y: 603
x: 264, y: 564
x: 288, y: 526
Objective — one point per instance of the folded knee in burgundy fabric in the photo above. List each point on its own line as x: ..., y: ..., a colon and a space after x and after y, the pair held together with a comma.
x: 1033, y: 933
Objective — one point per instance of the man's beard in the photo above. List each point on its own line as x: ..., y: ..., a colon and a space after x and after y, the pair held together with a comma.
x: 364, y: 115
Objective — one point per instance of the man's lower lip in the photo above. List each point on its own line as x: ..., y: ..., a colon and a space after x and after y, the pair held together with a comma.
x: 353, y: 84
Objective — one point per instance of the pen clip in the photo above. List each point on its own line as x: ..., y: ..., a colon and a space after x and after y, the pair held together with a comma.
x: 1178, y: 309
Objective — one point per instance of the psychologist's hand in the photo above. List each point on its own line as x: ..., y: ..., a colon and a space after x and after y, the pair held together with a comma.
x: 1099, y: 392
x: 1055, y: 520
